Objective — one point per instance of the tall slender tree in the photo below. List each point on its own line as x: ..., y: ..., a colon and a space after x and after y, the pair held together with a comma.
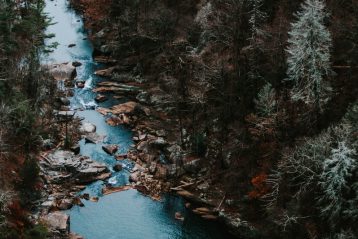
x: 309, y: 52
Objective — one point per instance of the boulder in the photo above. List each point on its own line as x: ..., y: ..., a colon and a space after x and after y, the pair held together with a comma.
x: 64, y: 71
x: 64, y: 166
x: 71, y: 45
x: 93, y: 138
x: 65, y: 204
x: 76, y: 149
x: 117, y: 167
x: 179, y: 216
x: 58, y: 221
x: 76, y: 63
x: 85, y: 196
x: 134, y: 177
x: 87, y: 127
x: 105, y: 72
x: 125, y: 108
x: 110, y: 149
x: 77, y: 201
x: 80, y: 84
x: 101, y: 98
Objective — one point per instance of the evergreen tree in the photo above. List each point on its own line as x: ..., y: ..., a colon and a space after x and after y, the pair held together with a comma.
x: 309, y: 52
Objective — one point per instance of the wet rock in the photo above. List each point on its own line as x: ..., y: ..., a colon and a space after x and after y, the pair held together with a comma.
x: 105, y: 72
x: 76, y: 149
x: 125, y: 108
x: 65, y: 204
x: 77, y: 201
x: 110, y: 190
x: 110, y: 149
x: 121, y: 156
x: 87, y: 127
x: 58, y: 221
x: 80, y: 84
x: 134, y: 177
x: 117, y: 167
x: 64, y: 71
x: 101, y: 98
x: 85, y: 196
x: 64, y: 165
x: 93, y: 138
x: 90, y: 140
x: 71, y: 45
x: 94, y: 199
x: 179, y: 216
x: 76, y: 63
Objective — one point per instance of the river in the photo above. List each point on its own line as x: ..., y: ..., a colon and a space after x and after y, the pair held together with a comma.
x: 128, y: 214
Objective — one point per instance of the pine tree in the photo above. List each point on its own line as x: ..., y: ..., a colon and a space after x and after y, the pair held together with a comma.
x: 309, y: 52
x: 337, y: 170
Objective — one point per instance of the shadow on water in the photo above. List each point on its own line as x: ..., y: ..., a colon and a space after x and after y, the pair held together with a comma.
x: 128, y: 214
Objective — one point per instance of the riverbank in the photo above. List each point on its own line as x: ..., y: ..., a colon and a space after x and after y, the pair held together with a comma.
x: 165, y: 160
x: 145, y: 159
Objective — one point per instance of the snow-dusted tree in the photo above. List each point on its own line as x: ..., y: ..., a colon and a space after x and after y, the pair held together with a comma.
x: 309, y: 52
x: 266, y: 102
x: 334, y: 180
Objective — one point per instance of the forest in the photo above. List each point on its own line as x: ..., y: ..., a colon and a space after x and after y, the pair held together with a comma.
x: 245, y: 109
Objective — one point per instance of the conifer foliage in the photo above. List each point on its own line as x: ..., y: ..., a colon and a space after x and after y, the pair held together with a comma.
x: 309, y: 52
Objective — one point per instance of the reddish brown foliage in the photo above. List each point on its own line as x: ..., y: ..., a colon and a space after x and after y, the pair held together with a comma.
x: 260, y: 187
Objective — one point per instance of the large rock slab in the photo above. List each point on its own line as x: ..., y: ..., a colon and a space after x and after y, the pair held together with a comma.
x: 87, y: 128
x: 63, y: 71
x: 65, y: 165
x: 58, y: 221
x: 125, y: 108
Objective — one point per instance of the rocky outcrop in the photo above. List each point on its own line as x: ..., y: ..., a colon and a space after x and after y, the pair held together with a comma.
x: 58, y: 223
x: 64, y: 71
x: 110, y: 149
x: 87, y: 128
x: 61, y: 166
